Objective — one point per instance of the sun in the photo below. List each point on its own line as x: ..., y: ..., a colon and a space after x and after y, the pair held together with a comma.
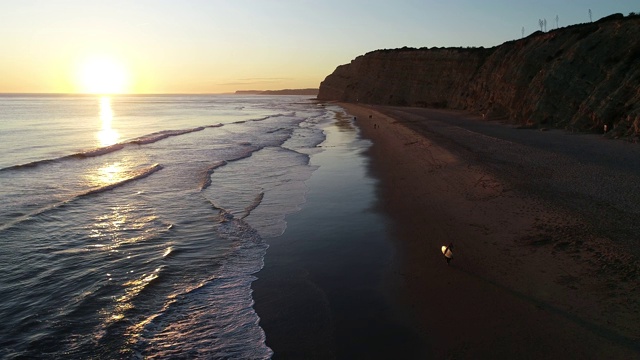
x: 103, y: 75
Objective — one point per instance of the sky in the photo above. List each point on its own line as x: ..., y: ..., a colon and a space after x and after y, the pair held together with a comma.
x: 216, y: 46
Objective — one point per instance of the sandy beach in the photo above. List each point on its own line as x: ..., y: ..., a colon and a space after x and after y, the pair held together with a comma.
x: 544, y: 239
x: 545, y: 264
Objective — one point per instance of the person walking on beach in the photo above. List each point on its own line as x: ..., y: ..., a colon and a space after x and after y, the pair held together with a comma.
x: 448, y: 253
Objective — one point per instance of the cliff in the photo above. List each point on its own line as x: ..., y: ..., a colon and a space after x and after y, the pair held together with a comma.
x: 579, y: 77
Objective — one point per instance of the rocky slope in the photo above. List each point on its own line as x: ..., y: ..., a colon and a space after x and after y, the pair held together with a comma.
x: 580, y: 77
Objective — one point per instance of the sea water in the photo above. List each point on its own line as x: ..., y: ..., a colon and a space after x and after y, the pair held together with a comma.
x: 131, y: 226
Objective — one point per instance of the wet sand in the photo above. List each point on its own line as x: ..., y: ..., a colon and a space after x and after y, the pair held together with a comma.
x: 544, y: 227
x: 321, y: 292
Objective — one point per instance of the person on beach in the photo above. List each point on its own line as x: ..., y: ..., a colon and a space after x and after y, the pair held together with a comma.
x: 449, y: 250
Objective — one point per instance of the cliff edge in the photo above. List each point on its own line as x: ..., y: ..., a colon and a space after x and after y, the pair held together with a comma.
x: 580, y: 77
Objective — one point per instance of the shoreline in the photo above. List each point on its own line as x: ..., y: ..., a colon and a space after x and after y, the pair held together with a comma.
x: 321, y: 292
x: 524, y: 279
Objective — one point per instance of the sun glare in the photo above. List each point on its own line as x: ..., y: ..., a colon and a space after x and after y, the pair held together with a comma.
x: 107, y: 135
x: 103, y: 76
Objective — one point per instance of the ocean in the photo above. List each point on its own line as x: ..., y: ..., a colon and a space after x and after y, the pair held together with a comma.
x: 133, y: 226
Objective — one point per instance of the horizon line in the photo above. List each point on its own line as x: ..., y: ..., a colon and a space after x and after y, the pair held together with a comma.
x: 144, y: 94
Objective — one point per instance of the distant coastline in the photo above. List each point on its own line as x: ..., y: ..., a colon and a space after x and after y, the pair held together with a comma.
x: 313, y: 92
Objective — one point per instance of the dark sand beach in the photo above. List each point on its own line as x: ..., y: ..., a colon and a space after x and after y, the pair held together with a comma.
x: 544, y: 226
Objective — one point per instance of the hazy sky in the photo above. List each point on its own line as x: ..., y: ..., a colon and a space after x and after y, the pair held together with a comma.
x: 211, y: 46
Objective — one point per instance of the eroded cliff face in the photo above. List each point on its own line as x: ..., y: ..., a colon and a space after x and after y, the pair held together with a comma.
x: 580, y: 77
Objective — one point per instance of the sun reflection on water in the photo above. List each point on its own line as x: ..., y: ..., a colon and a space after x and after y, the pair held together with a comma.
x: 111, y: 173
x: 122, y: 231
x: 107, y: 174
x: 107, y: 135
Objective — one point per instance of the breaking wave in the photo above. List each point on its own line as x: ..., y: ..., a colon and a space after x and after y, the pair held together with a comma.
x: 256, y: 202
x: 137, y: 175
x: 206, y: 179
x: 141, y: 140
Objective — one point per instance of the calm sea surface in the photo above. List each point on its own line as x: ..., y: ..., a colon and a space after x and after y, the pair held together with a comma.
x: 131, y: 226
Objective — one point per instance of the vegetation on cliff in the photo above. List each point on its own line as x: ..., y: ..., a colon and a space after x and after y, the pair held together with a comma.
x: 581, y: 77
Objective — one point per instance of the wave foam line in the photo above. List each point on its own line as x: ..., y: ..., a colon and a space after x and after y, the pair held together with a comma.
x: 142, y: 140
x: 262, y: 118
x: 215, y: 318
x: 273, y: 116
x: 256, y: 202
x: 97, y: 152
x: 160, y: 135
x: 139, y: 175
x: 85, y: 154
x: 206, y: 180
x: 276, y: 130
